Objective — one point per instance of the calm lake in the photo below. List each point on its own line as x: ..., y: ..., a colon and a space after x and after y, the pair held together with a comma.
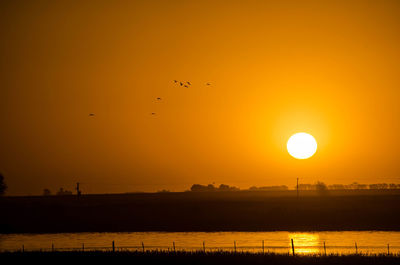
x: 280, y: 242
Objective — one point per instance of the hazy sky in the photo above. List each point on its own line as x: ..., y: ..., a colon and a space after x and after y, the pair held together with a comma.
x: 329, y: 68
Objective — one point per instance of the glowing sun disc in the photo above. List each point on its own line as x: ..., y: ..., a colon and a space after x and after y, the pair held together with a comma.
x: 301, y: 145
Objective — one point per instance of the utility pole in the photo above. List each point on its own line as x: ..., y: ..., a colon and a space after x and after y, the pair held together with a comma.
x: 78, y: 192
x: 297, y: 188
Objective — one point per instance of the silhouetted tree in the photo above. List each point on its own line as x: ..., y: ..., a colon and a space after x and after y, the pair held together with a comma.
x: 379, y: 186
x: 306, y: 187
x: 336, y: 187
x: 211, y: 187
x: 3, y: 186
x: 46, y: 192
x: 64, y: 192
x: 321, y: 188
x: 199, y: 187
x: 224, y: 187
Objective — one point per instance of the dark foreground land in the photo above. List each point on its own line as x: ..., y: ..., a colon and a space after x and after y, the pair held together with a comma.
x: 220, y: 258
x: 213, y: 211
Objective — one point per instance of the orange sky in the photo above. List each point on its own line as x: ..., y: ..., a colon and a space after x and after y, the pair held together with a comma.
x: 329, y: 68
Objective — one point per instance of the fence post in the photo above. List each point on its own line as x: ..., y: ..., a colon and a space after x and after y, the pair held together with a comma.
x: 292, y: 247
x: 113, y: 246
x: 263, y: 246
x: 173, y: 243
x: 388, y: 250
x: 143, y: 246
x: 355, y: 243
x: 204, y: 247
x: 324, y: 248
x: 52, y: 247
x: 234, y: 246
x: 83, y: 247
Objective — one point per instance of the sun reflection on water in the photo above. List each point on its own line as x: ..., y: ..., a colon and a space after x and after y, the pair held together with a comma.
x: 305, y: 243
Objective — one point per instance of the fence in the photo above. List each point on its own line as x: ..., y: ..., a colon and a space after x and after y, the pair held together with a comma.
x: 292, y: 249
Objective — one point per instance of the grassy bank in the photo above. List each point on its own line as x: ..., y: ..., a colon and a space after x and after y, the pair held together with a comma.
x: 215, y: 211
x: 220, y: 258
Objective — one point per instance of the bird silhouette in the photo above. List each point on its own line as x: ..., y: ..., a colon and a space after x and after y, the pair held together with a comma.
x: 153, y: 113
x: 158, y: 98
x: 188, y: 83
x: 208, y: 84
x: 91, y: 114
x: 181, y: 83
x: 175, y: 81
x: 185, y: 85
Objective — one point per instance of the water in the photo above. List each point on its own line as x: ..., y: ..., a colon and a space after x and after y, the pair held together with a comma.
x: 342, y: 242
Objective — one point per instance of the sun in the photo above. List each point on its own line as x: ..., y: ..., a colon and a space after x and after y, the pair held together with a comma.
x: 302, y: 145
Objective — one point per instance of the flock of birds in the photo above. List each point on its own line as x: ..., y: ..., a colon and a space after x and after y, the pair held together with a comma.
x: 186, y: 84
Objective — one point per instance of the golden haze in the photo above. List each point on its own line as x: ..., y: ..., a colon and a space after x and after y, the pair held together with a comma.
x: 328, y: 68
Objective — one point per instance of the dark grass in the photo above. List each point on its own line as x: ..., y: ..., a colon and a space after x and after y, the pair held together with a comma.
x: 184, y: 257
x: 215, y: 211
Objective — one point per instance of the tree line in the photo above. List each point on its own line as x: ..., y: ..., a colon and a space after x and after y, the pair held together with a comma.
x: 318, y: 186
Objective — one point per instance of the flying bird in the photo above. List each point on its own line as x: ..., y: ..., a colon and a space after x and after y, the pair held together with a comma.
x: 188, y: 83
x: 91, y: 114
x: 158, y: 98
x: 175, y: 81
x: 185, y: 85
x: 153, y: 113
x: 208, y: 84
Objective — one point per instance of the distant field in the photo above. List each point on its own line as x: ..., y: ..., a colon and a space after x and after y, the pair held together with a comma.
x: 189, y: 258
x: 214, y: 211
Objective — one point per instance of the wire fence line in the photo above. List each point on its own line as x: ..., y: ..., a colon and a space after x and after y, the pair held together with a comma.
x: 291, y: 249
